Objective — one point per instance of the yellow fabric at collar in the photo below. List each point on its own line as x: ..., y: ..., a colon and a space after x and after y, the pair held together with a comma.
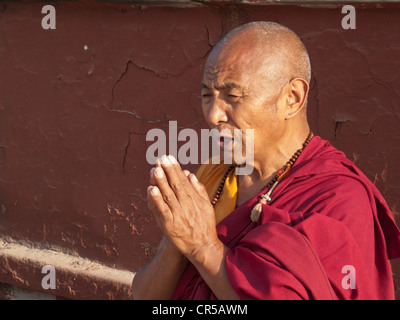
x: 211, y: 175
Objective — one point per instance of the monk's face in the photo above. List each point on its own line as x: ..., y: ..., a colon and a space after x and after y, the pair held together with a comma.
x: 240, y: 91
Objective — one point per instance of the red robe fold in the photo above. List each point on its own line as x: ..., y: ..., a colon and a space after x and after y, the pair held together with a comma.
x: 325, y: 215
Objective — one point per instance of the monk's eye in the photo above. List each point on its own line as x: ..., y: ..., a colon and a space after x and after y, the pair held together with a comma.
x: 206, y: 94
x: 233, y: 93
x: 233, y: 96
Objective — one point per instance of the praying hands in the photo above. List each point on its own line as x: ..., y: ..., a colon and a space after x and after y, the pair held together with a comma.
x: 185, y: 215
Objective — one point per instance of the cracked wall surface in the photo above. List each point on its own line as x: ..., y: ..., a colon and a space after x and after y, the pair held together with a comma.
x: 76, y: 104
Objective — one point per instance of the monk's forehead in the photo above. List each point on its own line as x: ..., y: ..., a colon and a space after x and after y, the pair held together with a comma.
x: 244, y: 61
x: 230, y: 56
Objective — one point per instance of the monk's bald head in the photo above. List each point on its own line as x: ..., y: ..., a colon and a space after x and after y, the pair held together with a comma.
x: 277, y: 52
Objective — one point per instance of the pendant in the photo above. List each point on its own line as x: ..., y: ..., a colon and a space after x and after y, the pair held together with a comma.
x: 265, y: 198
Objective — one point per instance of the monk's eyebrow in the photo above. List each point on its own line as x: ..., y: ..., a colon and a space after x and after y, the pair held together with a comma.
x: 203, y: 86
x: 224, y: 85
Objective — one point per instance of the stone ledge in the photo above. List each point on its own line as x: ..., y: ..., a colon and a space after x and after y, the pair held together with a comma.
x: 76, y: 278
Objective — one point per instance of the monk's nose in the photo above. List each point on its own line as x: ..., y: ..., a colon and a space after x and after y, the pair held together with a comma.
x: 217, y: 112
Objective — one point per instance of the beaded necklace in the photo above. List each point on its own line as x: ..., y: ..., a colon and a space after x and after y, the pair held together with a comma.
x: 265, y: 198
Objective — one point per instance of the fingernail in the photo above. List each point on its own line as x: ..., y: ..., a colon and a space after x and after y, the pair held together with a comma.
x: 154, y: 191
x: 195, y: 178
x: 165, y: 161
x: 149, y: 189
x: 159, y: 172
x: 172, y: 159
x: 158, y: 162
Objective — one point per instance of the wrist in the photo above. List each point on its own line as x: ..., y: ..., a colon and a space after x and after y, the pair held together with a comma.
x: 170, y: 253
x: 208, y: 257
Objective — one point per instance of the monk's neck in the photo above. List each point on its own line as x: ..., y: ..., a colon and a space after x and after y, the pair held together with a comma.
x: 266, y: 166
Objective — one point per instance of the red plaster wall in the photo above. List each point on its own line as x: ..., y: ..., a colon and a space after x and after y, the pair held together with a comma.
x: 73, y: 172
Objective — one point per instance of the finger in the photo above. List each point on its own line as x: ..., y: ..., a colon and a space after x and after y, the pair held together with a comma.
x: 199, y: 187
x: 161, y: 210
x: 152, y: 179
x: 160, y: 161
x: 167, y: 193
x: 176, y: 177
x: 150, y: 203
x: 152, y: 207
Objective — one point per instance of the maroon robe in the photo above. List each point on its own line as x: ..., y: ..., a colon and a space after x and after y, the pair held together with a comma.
x: 323, y: 216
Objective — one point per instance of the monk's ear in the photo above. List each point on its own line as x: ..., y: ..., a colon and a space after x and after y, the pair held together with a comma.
x: 296, y: 97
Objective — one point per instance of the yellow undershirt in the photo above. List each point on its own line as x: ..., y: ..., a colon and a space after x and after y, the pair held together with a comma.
x: 211, y: 175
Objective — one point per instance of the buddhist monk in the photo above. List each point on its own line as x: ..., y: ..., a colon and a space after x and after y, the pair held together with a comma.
x: 305, y: 224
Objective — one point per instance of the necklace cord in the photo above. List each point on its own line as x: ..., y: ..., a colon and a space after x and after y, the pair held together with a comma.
x: 264, y: 198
